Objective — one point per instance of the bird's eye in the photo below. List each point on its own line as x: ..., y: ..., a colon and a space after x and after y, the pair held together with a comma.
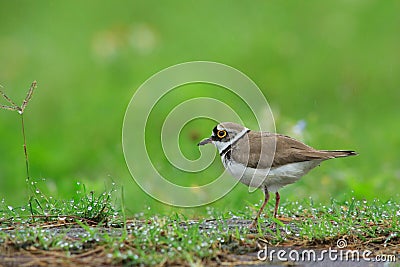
x: 221, y: 134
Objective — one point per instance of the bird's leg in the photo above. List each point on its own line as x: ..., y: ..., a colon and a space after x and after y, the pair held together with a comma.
x: 254, y: 223
x: 277, y: 199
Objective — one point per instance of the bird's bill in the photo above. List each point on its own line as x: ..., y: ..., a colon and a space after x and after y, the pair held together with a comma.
x: 205, y: 141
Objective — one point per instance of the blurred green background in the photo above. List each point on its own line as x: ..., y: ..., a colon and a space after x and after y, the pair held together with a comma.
x: 333, y: 65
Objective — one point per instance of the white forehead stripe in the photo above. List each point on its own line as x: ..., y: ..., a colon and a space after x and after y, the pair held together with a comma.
x: 234, y: 140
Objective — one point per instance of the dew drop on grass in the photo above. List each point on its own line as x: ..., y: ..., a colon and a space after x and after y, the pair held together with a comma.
x: 89, y: 208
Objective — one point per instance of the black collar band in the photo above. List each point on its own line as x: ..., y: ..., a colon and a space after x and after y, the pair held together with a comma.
x: 223, y: 152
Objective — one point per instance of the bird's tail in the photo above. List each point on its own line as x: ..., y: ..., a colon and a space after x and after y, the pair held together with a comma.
x: 340, y: 153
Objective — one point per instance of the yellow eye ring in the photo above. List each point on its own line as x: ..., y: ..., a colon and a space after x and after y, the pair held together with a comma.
x: 221, y: 134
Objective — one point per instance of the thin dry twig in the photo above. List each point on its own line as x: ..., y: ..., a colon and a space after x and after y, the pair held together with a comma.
x: 8, y: 107
x: 90, y: 252
x: 15, y: 106
x: 28, y: 96
x: 55, y: 224
x: 25, y: 148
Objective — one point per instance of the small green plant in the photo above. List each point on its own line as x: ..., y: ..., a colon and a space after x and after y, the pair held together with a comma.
x: 20, y: 110
x: 85, y: 205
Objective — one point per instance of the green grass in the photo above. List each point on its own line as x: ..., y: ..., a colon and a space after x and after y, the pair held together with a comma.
x: 69, y: 230
x: 87, y: 206
x: 332, y: 64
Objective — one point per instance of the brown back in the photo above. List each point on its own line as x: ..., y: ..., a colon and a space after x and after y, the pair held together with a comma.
x: 260, y: 150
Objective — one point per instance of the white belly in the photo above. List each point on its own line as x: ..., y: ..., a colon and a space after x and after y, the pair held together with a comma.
x: 272, y: 178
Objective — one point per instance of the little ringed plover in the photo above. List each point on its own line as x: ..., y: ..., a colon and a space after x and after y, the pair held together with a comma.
x: 266, y: 160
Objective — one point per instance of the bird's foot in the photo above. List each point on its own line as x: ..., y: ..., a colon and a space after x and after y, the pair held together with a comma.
x: 253, y: 225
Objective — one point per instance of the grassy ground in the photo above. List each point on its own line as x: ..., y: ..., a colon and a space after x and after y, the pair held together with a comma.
x: 88, y: 229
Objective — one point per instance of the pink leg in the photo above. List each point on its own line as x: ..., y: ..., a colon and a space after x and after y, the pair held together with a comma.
x: 254, y: 223
x: 277, y: 199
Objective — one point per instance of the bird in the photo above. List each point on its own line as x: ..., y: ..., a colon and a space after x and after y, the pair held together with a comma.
x: 266, y: 160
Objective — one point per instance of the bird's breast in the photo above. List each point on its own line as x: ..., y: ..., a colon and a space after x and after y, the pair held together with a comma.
x: 273, y: 178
